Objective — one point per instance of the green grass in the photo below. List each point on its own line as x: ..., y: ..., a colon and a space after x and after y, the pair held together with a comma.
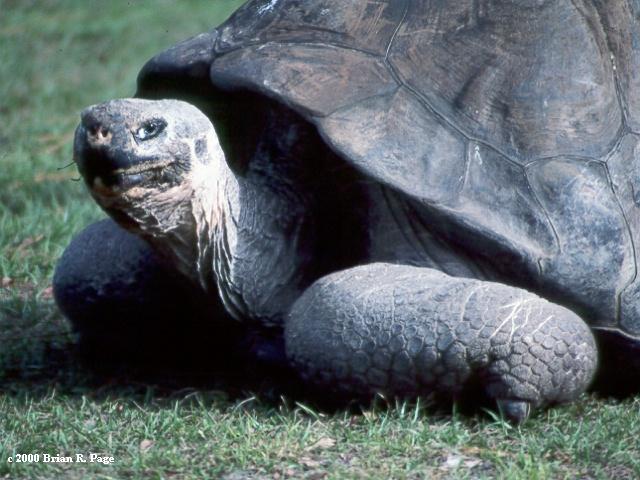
x: 57, y: 57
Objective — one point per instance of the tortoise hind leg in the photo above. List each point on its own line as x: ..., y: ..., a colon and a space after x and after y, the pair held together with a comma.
x: 407, y: 331
x: 128, y: 307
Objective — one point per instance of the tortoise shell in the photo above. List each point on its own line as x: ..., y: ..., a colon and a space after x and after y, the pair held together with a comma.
x: 512, y: 125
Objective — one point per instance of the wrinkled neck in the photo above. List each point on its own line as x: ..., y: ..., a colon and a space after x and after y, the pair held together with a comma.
x: 209, y: 182
x: 262, y: 243
x: 191, y: 245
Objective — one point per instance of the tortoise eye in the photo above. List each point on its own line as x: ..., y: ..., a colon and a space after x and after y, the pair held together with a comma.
x: 150, y: 129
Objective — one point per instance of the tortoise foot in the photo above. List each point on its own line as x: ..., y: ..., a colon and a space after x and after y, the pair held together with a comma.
x: 406, y: 331
x: 516, y: 411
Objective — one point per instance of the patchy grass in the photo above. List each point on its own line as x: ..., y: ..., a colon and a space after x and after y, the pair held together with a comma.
x: 200, y: 435
x: 56, y: 58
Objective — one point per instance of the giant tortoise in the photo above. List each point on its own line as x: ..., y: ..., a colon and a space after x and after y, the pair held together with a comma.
x: 410, y: 196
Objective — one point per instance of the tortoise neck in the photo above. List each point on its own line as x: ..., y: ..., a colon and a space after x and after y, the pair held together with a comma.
x: 185, y: 240
x: 261, y: 241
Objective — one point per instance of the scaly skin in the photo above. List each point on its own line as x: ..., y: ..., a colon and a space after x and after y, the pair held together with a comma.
x: 406, y: 331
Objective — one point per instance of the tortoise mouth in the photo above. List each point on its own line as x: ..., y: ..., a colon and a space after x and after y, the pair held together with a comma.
x: 122, y: 179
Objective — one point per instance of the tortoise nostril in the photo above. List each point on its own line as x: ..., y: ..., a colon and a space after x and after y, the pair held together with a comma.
x: 93, y: 129
x: 97, y: 134
x: 95, y: 124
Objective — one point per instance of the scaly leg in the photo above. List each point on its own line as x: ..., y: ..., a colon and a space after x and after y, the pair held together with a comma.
x: 129, y: 307
x: 406, y: 331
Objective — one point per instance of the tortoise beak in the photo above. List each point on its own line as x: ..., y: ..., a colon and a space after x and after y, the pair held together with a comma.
x: 101, y: 149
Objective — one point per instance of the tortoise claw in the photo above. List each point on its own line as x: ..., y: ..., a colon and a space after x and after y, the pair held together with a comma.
x: 516, y: 411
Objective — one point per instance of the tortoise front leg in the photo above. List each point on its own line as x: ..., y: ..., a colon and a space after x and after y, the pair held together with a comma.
x: 130, y: 307
x: 406, y: 331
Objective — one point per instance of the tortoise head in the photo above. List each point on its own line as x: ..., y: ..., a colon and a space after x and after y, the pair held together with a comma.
x: 144, y: 161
